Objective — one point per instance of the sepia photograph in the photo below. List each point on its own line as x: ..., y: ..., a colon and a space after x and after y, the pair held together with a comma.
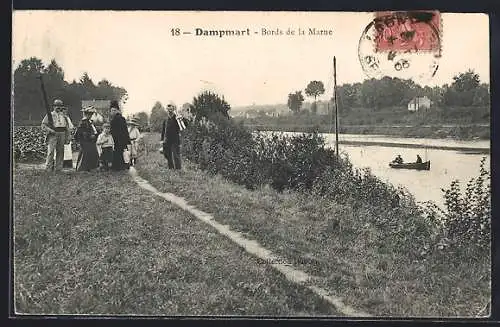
x: 251, y: 164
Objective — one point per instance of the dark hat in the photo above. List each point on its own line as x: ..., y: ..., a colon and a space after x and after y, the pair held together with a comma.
x: 114, y: 104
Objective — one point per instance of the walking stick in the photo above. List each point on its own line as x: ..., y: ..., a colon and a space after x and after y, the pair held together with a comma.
x: 46, y: 103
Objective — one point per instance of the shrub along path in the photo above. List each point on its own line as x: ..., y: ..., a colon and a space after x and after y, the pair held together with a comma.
x: 336, y: 244
x: 95, y: 243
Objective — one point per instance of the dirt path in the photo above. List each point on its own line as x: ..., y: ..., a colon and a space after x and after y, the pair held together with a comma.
x: 254, y: 248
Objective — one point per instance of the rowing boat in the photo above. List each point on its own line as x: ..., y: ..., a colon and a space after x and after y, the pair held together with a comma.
x: 411, y: 165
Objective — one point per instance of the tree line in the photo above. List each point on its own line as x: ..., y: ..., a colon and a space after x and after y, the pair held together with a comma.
x: 466, y: 90
x: 28, y: 100
x: 204, y: 105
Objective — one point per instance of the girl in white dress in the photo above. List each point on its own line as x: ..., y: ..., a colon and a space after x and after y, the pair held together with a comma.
x: 135, y: 135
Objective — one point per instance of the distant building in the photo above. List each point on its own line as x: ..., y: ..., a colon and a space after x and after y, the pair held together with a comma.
x: 418, y: 103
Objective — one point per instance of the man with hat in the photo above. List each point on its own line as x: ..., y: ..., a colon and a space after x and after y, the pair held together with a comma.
x: 119, y: 131
x: 171, y: 139
x: 57, y: 136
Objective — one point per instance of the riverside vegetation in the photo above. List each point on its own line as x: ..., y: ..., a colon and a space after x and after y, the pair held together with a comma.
x: 396, y: 257
x: 363, y: 239
x: 462, y: 123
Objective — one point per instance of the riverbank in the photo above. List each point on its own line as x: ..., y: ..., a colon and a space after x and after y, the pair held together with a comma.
x: 456, y: 132
x: 368, y: 258
x: 465, y: 150
x: 118, y: 249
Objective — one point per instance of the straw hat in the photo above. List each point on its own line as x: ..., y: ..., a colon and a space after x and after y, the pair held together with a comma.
x: 133, y: 121
x: 89, y: 109
x: 59, y: 103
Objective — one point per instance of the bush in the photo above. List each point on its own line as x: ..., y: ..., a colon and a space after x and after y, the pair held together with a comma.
x: 465, y: 222
x: 300, y: 163
x: 303, y: 163
x: 29, y: 144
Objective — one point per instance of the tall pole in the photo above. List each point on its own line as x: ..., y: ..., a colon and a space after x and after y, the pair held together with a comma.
x: 46, y: 103
x: 331, y: 115
x: 336, y: 109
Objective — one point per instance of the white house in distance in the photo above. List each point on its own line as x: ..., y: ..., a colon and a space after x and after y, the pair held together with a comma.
x: 418, y: 103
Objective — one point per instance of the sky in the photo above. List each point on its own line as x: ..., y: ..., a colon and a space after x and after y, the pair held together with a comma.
x: 137, y: 51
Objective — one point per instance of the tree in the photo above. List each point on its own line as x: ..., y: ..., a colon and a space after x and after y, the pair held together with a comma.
x: 158, y: 115
x: 462, y: 90
x: 209, y: 105
x: 28, y: 103
x: 295, y: 101
x: 314, y: 89
x: 54, y: 81
x: 464, y: 82
x: 143, y: 119
x: 481, y: 96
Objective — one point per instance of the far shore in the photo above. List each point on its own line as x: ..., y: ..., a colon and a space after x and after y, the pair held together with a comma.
x: 463, y: 149
x: 466, y: 150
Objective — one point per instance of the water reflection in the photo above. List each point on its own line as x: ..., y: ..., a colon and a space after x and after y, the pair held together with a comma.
x: 446, y: 166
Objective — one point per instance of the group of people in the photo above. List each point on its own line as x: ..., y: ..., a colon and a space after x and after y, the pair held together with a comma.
x: 399, y: 159
x: 114, y: 148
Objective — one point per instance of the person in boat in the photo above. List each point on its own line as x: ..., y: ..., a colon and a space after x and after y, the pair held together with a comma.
x: 419, y: 160
x: 398, y: 159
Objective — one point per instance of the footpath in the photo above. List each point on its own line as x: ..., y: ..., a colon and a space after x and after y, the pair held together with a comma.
x: 297, y: 279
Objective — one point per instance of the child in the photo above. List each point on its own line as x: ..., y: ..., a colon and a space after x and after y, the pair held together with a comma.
x: 134, y: 135
x: 105, y: 145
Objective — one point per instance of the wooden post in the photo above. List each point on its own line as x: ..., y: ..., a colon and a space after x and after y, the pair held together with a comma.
x: 336, y: 109
x: 330, y: 113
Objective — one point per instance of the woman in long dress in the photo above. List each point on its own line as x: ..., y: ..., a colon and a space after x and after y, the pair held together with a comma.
x: 134, y: 134
x: 86, y: 135
x: 120, y: 135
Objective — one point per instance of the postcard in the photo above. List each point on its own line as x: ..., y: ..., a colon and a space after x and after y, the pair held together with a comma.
x: 257, y: 164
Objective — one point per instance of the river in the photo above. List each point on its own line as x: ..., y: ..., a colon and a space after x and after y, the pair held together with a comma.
x: 446, y: 165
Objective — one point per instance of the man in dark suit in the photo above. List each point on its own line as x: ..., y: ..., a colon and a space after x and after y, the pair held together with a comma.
x: 170, y: 137
x: 119, y: 131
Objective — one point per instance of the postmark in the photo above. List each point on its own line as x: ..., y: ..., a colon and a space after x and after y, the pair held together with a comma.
x: 401, y: 44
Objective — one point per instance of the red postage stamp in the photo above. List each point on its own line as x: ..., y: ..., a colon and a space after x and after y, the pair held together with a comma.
x: 407, y: 31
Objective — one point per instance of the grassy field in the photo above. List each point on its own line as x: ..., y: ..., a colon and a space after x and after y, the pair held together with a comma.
x: 94, y: 243
x: 337, y: 244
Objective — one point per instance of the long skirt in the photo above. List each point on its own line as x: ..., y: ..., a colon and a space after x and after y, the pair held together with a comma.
x: 118, y: 163
x: 133, y: 150
x: 88, y: 158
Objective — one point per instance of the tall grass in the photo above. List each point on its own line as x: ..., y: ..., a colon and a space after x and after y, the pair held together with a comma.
x: 304, y: 164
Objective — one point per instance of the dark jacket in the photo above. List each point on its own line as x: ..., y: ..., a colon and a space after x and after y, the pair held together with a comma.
x: 85, y: 132
x: 119, y: 131
x: 170, y: 131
